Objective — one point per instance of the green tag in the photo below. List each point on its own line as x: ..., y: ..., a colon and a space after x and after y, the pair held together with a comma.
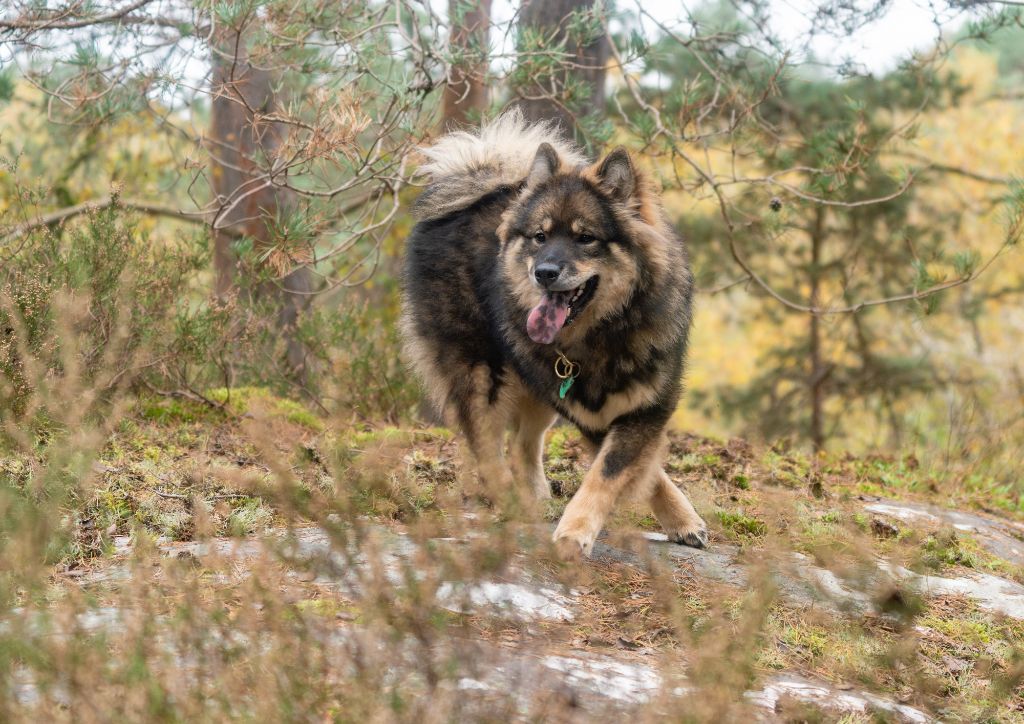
x: 564, y: 387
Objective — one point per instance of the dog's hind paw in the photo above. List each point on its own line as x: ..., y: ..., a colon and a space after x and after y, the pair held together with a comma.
x: 693, y: 538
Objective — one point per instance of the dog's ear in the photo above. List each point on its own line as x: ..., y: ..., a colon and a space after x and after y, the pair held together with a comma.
x: 615, y: 175
x: 544, y: 165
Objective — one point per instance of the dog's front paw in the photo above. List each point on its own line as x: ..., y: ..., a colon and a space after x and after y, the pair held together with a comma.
x: 695, y: 537
x: 572, y: 546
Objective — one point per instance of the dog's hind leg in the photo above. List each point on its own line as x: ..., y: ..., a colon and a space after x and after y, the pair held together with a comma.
x: 673, y: 510
x: 530, y: 420
x: 482, y: 416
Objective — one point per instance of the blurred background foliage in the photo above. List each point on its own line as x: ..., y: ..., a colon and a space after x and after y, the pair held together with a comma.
x: 852, y: 231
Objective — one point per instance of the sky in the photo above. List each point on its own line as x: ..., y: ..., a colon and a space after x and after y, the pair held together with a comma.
x: 908, y: 25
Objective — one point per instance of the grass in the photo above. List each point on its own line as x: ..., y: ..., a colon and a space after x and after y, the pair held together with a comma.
x: 175, y: 471
x: 740, y: 526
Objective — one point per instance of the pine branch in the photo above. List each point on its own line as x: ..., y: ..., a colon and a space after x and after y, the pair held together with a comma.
x: 931, y: 165
x: 105, y: 202
x: 67, y: 19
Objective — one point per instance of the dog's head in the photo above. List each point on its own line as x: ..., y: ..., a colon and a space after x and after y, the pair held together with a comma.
x: 567, y: 254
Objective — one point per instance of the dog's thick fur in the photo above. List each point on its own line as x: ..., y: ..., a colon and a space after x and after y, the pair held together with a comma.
x: 504, y: 205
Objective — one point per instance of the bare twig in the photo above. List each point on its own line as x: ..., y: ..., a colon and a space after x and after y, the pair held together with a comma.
x: 87, y: 207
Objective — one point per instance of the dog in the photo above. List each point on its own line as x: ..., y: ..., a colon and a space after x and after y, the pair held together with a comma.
x: 538, y: 284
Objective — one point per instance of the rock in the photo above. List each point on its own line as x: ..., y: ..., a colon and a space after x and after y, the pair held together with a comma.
x: 990, y: 592
x: 884, y: 529
x: 1003, y: 538
x: 845, y: 701
x: 506, y: 599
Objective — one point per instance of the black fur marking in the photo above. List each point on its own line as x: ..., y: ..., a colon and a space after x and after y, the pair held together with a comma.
x: 618, y: 459
x: 631, y: 437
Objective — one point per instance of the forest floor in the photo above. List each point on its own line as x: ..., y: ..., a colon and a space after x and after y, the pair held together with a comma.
x: 835, y: 588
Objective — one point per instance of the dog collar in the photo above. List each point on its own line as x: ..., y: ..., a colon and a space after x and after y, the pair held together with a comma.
x: 567, y: 371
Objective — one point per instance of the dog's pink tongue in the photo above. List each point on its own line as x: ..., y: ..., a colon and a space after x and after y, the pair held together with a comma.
x: 548, y: 317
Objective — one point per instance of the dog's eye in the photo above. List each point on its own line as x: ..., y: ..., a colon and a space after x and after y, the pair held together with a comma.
x: 540, y: 237
x: 587, y: 239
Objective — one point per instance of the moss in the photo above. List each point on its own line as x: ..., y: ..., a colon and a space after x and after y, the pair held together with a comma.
x: 952, y: 548
x: 813, y: 641
x: 247, y: 518
x: 886, y: 477
x: 429, y: 469
x: 327, y: 608
x: 437, y: 434
x: 15, y: 472
x: 172, y: 411
x: 175, y: 524
x: 968, y: 629
x: 819, y: 532
x: 241, y: 400
x: 947, y: 549
x: 554, y: 508
x: 361, y: 439
x: 684, y: 464
x: 741, y: 525
x: 633, y: 519
x: 295, y: 413
x: 787, y: 471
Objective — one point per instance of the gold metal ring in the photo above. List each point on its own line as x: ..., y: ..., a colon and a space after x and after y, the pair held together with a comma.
x: 565, y: 368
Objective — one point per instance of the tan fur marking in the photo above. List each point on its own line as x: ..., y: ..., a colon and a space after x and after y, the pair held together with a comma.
x: 420, y: 355
x: 531, y: 419
x: 546, y: 224
x: 528, y: 294
x: 487, y: 434
x: 632, y: 398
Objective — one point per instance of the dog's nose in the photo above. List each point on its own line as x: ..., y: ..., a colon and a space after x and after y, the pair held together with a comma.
x: 547, y: 273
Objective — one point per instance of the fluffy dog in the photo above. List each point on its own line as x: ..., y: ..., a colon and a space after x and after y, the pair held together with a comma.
x: 537, y: 284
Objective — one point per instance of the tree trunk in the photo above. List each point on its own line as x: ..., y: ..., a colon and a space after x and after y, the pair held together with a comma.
x: 546, y: 98
x: 465, y: 95
x: 243, y: 147
x: 818, y: 372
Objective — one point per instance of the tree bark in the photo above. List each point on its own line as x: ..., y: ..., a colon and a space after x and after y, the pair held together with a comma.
x: 818, y: 373
x: 465, y: 95
x: 545, y: 98
x: 243, y: 146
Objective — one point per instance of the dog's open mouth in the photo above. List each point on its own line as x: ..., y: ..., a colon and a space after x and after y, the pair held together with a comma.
x: 557, y: 310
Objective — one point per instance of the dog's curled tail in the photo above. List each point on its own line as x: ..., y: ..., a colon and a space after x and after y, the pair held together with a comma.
x: 465, y: 166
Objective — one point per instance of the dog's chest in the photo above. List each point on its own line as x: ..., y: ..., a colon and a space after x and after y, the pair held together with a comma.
x: 634, y: 396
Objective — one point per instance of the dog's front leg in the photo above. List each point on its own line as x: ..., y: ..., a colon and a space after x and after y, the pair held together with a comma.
x: 626, y: 461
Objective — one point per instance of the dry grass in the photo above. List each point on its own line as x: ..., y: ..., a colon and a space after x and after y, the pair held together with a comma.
x: 134, y: 610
